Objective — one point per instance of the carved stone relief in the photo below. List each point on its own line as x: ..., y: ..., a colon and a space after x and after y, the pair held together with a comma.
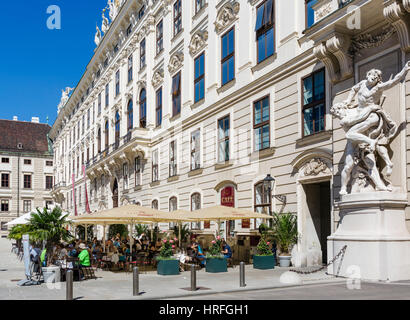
x: 226, y: 15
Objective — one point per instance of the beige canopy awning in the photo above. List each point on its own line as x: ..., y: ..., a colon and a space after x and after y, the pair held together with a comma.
x: 127, y: 214
x: 219, y: 213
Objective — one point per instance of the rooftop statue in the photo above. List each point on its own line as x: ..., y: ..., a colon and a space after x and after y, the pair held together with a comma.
x: 64, y: 98
x: 97, y: 38
x: 114, y: 7
x: 105, y: 23
x: 369, y: 131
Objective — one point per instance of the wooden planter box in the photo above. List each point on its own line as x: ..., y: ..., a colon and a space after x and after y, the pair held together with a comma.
x: 216, y: 265
x: 168, y: 267
x: 264, y: 262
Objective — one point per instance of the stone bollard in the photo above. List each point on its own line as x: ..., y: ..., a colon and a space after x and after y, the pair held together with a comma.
x: 242, y: 275
x: 69, y: 285
x: 136, y: 282
x: 193, y: 278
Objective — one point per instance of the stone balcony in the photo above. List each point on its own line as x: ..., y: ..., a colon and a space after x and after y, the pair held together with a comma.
x: 124, y: 150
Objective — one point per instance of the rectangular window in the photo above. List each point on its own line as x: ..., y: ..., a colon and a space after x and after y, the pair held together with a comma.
x: 261, y: 124
x: 199, y: 81
x: 160, y: 37
x: 125, y: 175
x: 199, y: 4
x: 314, y: 99
x: 4, y: 205
x: 49, y: 163
x: 265, y: 30
x: 49, y: 182
x: 27, y: 206
x: 88, y: 118
x: 27, y: 161
x: 5, y: 180
x: 158, y: 109
x: 107, y: 95
x: 228, y: 56
x: 155, y: 173
x: 138, y: 171
x: 117, y: 83
x: 129, y: 30
x: 99, y: 104
x: 5, y: 160
x: 223, y: 139
x: 141, y: 12
x: 130, y: 64
x: 310, y: 13
x: 27, y: 181
x: 176, y: 95
x: 195, y: 150
x: 142, y: 54
x: 177, y: 17
x: 4, y: 227
x: 173, y: 159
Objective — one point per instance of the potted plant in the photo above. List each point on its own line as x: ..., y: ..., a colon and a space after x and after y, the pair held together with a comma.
x: 264, y: 259
x: 49, y: 227
x: 215, y: 261
x: 286, y: 235
x: 167, y: 265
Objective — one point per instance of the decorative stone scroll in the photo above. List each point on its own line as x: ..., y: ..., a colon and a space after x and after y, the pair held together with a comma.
x: 158, y: 78
x: 198, y: 42
x: 226, y: 16
x: 176, y: 62
x: 395, y: 14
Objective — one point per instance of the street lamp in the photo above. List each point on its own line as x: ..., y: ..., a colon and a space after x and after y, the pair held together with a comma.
x: 269, y: 183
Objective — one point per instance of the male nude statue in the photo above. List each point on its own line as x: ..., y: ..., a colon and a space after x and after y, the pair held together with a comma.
x: 367, y: 126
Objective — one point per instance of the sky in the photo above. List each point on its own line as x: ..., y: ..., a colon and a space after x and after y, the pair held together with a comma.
x: 36, y: 63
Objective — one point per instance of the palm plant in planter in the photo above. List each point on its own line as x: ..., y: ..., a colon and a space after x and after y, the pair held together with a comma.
x: 49, y: 227
x: 265, y: 259
x: 215, y: 260
x: 286, y: 235
x: 167, y: 265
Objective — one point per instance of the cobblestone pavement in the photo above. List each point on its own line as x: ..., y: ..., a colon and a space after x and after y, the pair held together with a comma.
x: 110, y: 285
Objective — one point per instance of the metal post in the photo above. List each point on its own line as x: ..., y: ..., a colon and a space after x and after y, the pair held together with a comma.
x: 69, y: 285
x: 136, y: 284
x: 193, y: 278
x: 242, y: 275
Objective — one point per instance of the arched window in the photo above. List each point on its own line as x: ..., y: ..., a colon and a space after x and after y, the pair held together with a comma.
x: 99, y: 140
x: 155, y: 204
x: 130, y: 116
x: 143, y: 109
x: 117, y: 129
x: 107, y: 132
x: 195, y: 205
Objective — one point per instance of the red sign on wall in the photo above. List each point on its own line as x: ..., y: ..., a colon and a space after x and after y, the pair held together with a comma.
x: 228, y: 197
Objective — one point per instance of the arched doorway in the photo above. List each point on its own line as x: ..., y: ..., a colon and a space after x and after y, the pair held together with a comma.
x: 115, y: 194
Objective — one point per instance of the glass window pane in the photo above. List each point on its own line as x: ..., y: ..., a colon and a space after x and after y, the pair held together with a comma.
x: 319, y: 116
x: 231, y: 68
x: 227, y: 127
x: 221, y: 152
x: 308, y: 121
x: 258, y: 118
x: 265, y: 103
x: 259, y: 17
x: 261, y: 48
x: 224, y: 72
x: 227, y: 150
x: 270, y: 42
x: 319, y: 85
x: 258, y: 137
x: 231, y: 41
x: 307, y: 91
x: 201, y: 89
x: 224, y: 46
x: 265, y: 137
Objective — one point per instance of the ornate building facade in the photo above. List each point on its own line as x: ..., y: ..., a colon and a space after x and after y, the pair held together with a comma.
x: 188, y: 104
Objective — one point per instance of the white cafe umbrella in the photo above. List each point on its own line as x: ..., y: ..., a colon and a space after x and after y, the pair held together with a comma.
x: 24, y: 219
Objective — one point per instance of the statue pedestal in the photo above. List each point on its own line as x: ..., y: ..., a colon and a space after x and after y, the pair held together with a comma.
x: 373, y: 228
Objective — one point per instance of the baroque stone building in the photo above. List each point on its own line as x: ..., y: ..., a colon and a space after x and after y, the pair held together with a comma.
x: 188, y: 104
x: 26, y: 169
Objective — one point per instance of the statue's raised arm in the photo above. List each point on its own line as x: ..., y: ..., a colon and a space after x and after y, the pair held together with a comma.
x: 399, y: 77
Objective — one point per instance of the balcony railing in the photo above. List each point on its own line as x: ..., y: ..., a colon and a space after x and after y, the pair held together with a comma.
x: 61, y: 184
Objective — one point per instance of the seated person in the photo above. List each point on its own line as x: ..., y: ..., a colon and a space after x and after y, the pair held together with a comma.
x: 84, y: 256
x: 199, y: 254
x: 226, y: 250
